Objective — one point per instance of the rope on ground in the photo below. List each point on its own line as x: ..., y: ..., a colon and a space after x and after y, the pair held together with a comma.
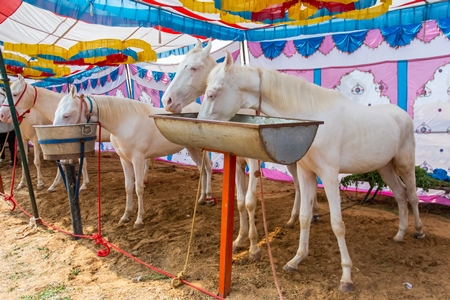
x: 178, y: 280
x: 316, y: 216
x: 102, y: 241
x: 267, y: 235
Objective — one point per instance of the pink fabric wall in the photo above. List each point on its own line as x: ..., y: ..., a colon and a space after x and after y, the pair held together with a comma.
x: 386, y: 72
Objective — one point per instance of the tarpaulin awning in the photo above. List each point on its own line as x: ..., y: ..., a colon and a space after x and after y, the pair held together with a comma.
x: 49, y: 38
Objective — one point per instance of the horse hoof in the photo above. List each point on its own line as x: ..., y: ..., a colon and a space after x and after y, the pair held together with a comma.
x: 83, y: 187
x: 345, y: 287
x: 419, y: 235
x: 255, y: 256
x: 211, y: 201
x: 289, y: 269
x: 138, y: 225
x: 51, y: 190
x: 20, y: 186
x: 236, y: 249
x: 398, y: 240
x: 289, y: 225
x: 123, y: 221
x: 40, y: 187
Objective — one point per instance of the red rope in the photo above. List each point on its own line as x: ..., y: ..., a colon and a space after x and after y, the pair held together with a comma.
x: 98, y: 239
x: 263, y: 209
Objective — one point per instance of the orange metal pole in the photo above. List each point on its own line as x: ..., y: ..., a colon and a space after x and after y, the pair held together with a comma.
x: 226, y: 230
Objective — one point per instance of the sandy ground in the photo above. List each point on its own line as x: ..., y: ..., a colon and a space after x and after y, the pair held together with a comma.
x: 47, y: 264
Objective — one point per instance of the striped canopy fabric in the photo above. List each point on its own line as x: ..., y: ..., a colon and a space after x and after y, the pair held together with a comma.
x: 54, y: 38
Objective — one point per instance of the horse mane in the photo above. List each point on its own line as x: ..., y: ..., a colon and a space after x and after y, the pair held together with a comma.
x: 114, y: 108
x: 293, y: 92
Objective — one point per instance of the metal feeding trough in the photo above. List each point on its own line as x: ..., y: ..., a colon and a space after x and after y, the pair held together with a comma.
x: 65, y: 141
x: 269, y: 139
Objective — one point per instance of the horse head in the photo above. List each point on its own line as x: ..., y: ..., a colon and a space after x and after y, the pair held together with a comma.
x: 222, y: 96
x: 70, y: 109
x: 190, y: 80
x: 24, y: 98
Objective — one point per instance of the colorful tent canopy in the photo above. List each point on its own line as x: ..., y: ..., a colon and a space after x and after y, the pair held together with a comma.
x: 48, y: 38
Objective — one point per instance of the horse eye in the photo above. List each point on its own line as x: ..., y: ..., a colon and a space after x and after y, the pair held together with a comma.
x: 193, y: 69
x: 65, y: 116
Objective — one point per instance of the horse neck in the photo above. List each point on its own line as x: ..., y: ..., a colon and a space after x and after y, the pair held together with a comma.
x: 46, y: 103
x: 289, y: 96
x: 209, y: 65
x: 110, y: 115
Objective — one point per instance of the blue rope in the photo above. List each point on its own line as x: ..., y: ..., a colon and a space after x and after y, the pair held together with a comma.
x: 62, y: 173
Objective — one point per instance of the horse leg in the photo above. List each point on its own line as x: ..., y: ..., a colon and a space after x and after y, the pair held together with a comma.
x: 399, y: 190
x: 409, y: 178
x: 22, y: 182
x: 250, y: 204
x: 140, y: 166
x: 240, y: 197
x: 129, y: 186
x: 308, y: 185
x: 55, y: 183
x: 206, y: 189
x: 37, y: 163
x: 331, y: 185
x: 85, y: 175
x: 147, y: 164
x: 296, y: 208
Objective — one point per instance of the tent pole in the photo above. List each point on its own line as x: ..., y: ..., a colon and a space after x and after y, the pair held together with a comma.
x: 128, y: 80
x: 19, y: 137
x: 242, y: 50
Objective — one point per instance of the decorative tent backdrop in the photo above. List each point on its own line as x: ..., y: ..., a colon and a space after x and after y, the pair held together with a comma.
x: 373, y: 51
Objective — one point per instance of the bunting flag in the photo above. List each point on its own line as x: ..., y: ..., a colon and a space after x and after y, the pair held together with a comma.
x: 395, y: 37
x: 64, y: 35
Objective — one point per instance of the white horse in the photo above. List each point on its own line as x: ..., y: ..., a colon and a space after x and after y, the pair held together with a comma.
x: 29, y: 117
x: 353, y: 139
x: 35, y: 106
x: 134, y: 136
x: 188, y: 84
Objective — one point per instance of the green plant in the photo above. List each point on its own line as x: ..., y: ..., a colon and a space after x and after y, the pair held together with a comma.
x: 426, y: 182
x: 423, y: 180
x: 75, y: 272
x: 51, y: 291
x: 373, y: 178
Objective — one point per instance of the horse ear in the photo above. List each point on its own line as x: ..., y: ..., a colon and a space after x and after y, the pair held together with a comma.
x: 207, y: 49
x: 73, y: 91
x: 228, y: 60
x: 20, y: 78
x: 199, y: 45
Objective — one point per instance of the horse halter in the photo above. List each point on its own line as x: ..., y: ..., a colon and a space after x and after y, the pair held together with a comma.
x: 22, y: 116
x: 83, y: 104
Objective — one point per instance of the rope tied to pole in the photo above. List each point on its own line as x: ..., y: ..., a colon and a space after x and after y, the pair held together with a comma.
x: 263, y: 209
x: 177, y: 280
x: 99, y: 240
